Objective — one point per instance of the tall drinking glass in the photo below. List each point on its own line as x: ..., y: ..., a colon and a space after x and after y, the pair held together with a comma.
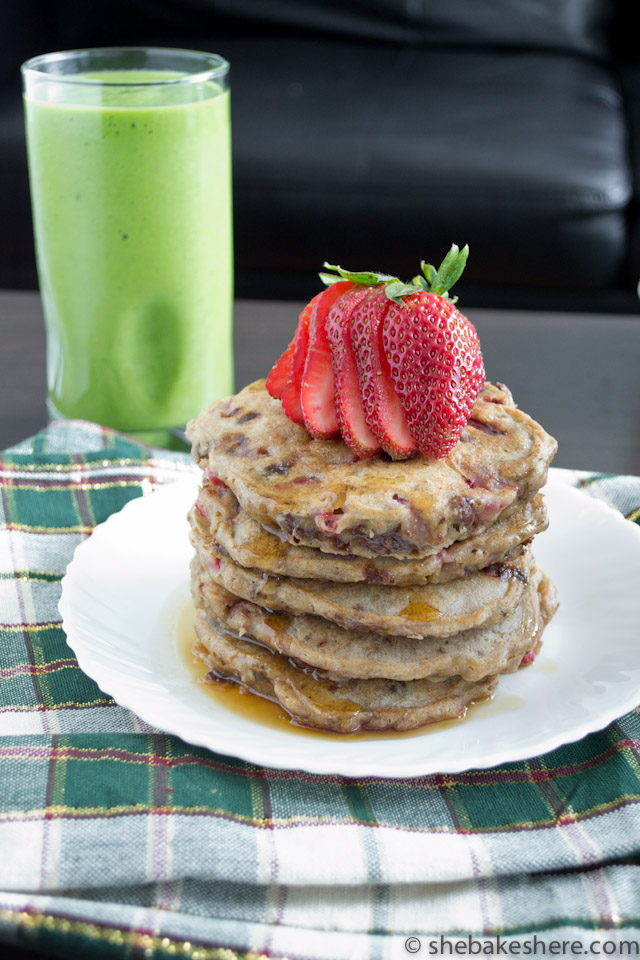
x: 130, y: 174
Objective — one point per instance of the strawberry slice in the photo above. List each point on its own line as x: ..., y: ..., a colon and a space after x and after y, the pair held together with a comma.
x: 280, y: 372
x: 382, y: 406
x: 318, y: 384
x: 290, y: 395
x: 349, y: 409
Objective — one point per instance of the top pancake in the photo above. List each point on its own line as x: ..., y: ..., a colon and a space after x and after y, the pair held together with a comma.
x: 318, y: 494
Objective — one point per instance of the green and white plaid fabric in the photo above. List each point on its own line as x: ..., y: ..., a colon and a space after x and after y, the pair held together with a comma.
x: 118, y: 841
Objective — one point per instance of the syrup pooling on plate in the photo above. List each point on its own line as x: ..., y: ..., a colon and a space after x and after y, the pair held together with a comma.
x: 267, y: 713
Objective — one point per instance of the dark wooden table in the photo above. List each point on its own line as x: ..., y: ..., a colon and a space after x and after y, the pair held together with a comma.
x: 578, y: 374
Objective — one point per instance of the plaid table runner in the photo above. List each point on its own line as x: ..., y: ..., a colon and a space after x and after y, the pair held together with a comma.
x: 119, y: 841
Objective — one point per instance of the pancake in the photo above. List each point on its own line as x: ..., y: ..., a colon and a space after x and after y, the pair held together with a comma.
x: 252, y: 544
x: 435, y: 610
x: 345, y: 706
x: 320, y: 644
x: 316, y: 492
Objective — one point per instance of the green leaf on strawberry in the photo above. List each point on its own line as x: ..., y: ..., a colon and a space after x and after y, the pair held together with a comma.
x: 429, y: 271
x: 438, y: 281
x: 449, y: 271
x: 395, y: 291
x: 366, y: 278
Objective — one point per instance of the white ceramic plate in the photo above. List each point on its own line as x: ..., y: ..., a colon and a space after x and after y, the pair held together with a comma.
x: 121, y: 600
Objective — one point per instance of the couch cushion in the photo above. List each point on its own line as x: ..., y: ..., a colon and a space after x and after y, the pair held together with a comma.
x: 630, y: 78
x: 345, y: 149
x: 580, y: 26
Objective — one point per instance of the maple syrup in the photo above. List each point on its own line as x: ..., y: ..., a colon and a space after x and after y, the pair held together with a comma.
x: 418, y: 610
x: 235, y: 698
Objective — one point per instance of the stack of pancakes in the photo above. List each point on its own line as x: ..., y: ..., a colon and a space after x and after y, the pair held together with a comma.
x: 367, y: 594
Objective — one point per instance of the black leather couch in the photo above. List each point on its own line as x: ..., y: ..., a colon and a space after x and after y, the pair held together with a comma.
x: 374, y: 133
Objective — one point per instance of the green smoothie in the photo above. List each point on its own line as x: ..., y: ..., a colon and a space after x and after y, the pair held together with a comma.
x: 131, y: 196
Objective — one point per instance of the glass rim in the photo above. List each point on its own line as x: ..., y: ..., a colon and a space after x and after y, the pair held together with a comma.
x: 218, y: 66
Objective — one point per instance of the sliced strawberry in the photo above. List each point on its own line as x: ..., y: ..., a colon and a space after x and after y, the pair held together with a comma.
x: 436, y: 368
x: 280, y: 372
x: 404, y: 375
x: 290, y: 395
x: 318, y: 385
x: 382, y: 406
x: 349, y: 409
